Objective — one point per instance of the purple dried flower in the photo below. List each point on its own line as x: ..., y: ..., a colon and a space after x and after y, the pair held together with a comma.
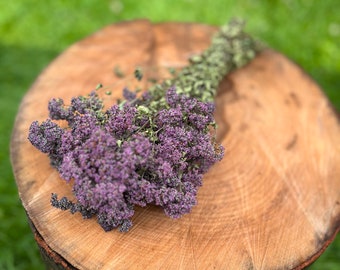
x: 127, y: 156
x: 148, y: 150
x: 89, y: 104
x: 172, y: 98
x: 129, y: 95
x: 172, y: 116
x: 45, y: 137
x: 178, y: 202
x: 120, y: 121
x: 58, y: 110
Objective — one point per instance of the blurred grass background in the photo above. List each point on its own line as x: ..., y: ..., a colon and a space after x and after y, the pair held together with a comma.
x: 33, y: 33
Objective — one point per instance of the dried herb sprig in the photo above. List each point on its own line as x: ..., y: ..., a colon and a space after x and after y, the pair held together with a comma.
x: 230, y: 48
x: 152, y: 149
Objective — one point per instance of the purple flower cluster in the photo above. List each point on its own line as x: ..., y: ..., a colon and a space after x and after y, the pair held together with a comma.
x: 128, y: 155
x: 151, y: 148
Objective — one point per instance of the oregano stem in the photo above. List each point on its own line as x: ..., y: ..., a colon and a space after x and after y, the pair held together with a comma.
x: 230, y: 48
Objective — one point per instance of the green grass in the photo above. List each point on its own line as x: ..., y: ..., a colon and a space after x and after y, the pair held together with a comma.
x: 32, y: 33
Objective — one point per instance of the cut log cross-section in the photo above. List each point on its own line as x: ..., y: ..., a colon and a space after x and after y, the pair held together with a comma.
x: 273, y: 202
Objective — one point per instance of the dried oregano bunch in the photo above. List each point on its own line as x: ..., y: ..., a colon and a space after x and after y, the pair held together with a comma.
x: 148, y: 149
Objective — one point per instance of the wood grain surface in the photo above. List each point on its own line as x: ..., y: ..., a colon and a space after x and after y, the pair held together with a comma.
x: 273, y: 202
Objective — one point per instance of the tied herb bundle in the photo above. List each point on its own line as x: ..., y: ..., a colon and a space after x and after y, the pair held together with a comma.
x: 148, y: 149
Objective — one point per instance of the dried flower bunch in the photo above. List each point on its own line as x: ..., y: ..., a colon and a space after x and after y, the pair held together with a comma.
x: 147, y: 149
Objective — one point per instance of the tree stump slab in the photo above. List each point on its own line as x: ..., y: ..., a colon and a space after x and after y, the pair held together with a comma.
x: 273, y: 202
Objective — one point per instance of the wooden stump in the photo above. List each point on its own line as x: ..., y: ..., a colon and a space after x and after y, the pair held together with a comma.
x: 273, y: 202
